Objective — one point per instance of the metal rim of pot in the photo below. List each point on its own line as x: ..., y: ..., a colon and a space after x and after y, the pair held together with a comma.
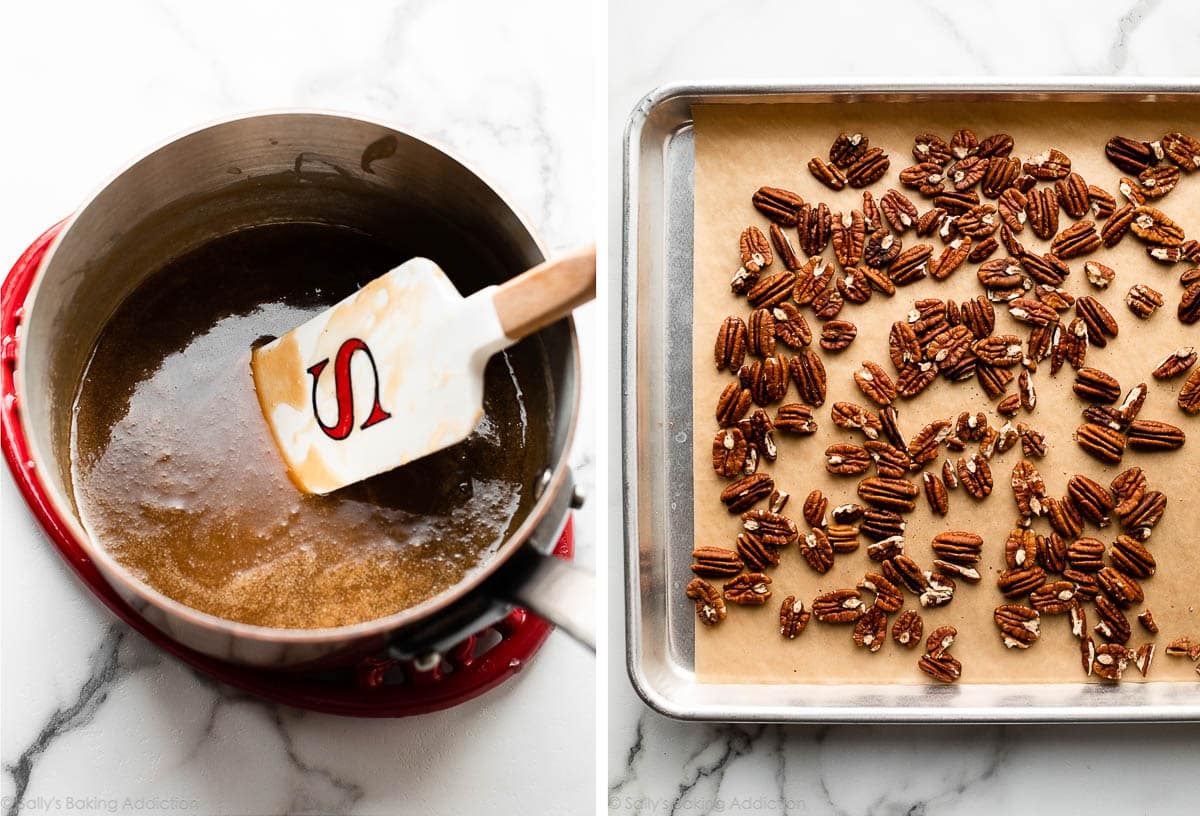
x: 556, y: 479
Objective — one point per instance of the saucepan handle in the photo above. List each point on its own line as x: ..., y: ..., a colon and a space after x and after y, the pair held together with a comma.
x: 556, y: 589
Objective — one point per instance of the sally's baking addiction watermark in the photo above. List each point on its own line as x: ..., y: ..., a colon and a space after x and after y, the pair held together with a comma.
x: 99, y: 804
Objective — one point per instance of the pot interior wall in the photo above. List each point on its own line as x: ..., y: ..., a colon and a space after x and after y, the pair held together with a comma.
x: 261, y: 170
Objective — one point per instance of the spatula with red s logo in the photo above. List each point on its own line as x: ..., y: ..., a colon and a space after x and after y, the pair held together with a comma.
x: 395, y: 371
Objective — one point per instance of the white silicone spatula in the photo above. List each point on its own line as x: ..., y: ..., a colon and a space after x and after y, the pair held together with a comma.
x: 395, y: 371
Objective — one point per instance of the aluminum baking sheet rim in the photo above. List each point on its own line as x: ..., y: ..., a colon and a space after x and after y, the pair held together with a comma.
x: 649, y: 244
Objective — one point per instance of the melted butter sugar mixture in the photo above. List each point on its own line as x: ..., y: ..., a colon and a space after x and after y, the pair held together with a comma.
x: 176, y: 475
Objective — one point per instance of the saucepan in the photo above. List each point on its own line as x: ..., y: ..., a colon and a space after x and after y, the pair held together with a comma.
x: 283, y: 167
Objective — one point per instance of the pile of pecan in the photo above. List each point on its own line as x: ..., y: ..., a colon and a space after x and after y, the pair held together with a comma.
x: 979, y: 199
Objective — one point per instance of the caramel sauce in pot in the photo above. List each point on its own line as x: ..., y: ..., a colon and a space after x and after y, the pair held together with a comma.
x: 175, y: 473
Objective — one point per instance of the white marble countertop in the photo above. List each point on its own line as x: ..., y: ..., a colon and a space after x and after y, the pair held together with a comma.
x: 96, y: 720
x: 659, y: 766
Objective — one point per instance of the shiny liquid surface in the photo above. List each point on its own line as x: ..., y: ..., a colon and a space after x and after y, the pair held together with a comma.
x: 176, y: 475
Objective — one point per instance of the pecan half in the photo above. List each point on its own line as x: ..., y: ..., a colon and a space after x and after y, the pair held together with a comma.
x: 779, y: 205
x: 843, y: 538
x: 875, y: 383
x: 1086, y: 555
x: 1096, y: 386
x: 836, y: 335
x: 879, y: 524
x: 888, y: 597
x: 1117, y: 225
x: 849, y: 235
x: 927, y: 178
x: 814, y: 225
x: 1041, y: 210
x: 768, y: 380
x: 1156, y: 182
x: 938, y: 591
x: 931, y: 148
x: 958, y: 547
x: 1131, y: 557
x: 898, y: 495
x: 817, y: 551
x: 1101, y: 442
x: 1146, y: 619
x: 881, y: 249
x: 771, y: 290
x: 898, y: 210
x: 966, y: 172
x: 815, y: 505
x: 1147, y: 512
x: 747, y: 492
x: 923, y: 448
x: 795, y: 418
x: 710, y: 606
x: 1019, y: 625
x: 783, y: 246
x: 1183, y: 150
x: 730, y: 348
x: 944, y: 669
x: 732, y: 404
x: 1001, y: 350
x: 908, y: 628
x: 1072, y: 193
x: 1189, y: 305
x: 755, y: 249
x: 1152, y: 435
x: 756, y: 554
x: 1052, y: 552
x: 1049, y: 166
x: 827, y: 174
x: 870, y: 630
x: 1123, y: 590
x: 1099, y: 321
x: 1154, y: 227
x: 750, y: 589
x: 1101, y: 202
x: 1014, y: 583
x: 729, y: 452
x: 847, y: 148
x: 1094, y: 501
x: 839, y: 606
x: 853, y: 417
x: 1034, y: 312
x: 1111, y: 660
x: 1029, y: 489
x: 1033, y: 442
x: 936, y: 493
x: 1098, y: 274
x: 1142, y: 300
x: 940, y: 640
x: 844, y: 459
x: 1189, y: 394
x: 808, y: 372
x: 773, y: 529
x: 1130, y: 155
x: 793, y: 617
x: 715, y: 562
x: 974, y: 475
x: 999, y: 175
x: 1078, y: 239
x: 1020, y: 548
x: 868, y: 168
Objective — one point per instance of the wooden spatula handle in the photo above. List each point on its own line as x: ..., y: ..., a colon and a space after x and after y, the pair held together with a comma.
x: 546, y: 293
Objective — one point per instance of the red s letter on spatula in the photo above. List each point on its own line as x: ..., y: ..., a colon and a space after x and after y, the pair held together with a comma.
x: 344, y: 392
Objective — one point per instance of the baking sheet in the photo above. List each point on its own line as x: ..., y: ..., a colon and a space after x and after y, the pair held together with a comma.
x: 741, y: 147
